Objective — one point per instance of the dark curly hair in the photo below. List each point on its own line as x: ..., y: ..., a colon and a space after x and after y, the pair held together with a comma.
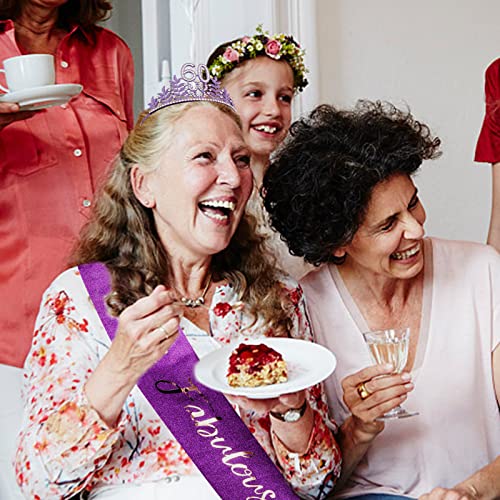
x: 85, y: 13
x: 320, y: 182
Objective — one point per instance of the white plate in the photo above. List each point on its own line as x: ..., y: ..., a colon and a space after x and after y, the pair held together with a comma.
x: 43, y: 97
x: 308, y: 364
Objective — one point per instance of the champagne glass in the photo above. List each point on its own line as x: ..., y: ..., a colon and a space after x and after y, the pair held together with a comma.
x: 390, y: 346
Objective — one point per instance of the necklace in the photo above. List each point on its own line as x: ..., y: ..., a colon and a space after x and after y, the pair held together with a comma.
x: 189, y: 302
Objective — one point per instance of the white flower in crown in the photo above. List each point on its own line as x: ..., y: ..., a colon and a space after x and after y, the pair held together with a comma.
x: 196, y: 83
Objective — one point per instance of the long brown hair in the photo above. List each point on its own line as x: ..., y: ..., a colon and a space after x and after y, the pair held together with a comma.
x: 85, y: 13
x: 122, y: 232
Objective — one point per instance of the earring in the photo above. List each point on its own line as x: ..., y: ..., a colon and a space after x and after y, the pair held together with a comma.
x: 147, y: 203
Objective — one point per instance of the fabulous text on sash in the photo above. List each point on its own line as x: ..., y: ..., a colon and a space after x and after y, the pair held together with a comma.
x: 206, y: 428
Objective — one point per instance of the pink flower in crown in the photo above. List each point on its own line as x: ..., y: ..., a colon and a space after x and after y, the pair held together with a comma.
x: 231, y: 55
x: 273, y: 48
x: 245, y: 39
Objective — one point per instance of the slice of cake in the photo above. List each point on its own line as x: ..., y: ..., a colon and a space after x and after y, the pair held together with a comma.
x: 253, y: 365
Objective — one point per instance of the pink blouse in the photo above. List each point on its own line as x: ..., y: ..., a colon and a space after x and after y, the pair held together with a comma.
x: 50, y: 167
x: 65, y: 446
x: 457, y: 431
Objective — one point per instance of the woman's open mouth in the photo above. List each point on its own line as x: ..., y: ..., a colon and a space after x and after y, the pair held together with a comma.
x: 407, y: 254
x: 218, y: 210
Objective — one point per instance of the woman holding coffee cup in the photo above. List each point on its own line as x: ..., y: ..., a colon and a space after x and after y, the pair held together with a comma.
x: 52, y: 159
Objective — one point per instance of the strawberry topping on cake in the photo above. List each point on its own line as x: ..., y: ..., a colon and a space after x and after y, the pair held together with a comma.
x: 253, y: 365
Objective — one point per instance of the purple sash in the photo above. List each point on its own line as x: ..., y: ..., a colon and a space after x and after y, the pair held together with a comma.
x: 202, y: 420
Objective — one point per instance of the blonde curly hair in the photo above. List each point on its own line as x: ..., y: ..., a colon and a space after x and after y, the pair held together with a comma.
x: 122, y: 233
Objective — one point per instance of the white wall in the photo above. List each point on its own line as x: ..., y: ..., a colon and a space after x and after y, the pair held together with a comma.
x: 431, y: 55
x: 199, y: 26
x: 214, y: 22
x: 126, y: 22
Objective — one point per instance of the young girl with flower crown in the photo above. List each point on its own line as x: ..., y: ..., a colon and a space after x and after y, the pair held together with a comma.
x: 262, y: 73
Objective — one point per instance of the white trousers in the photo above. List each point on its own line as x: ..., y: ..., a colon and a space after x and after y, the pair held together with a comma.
x: 174, y: 487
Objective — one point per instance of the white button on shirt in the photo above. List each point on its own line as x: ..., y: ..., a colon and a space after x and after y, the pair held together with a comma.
x: 64, y: 64
x: 77, y: 152
x: 86, y: 203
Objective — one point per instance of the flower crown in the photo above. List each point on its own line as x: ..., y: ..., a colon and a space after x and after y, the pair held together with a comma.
x: 194, y: 84
x: 276, y: 47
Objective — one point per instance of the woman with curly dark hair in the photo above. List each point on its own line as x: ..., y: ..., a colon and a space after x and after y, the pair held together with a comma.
x: 340, y: 192
x: 52, y: 159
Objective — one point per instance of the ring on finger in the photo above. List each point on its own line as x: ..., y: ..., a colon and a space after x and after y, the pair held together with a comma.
x: 165, y: 332
x: 362, y: 390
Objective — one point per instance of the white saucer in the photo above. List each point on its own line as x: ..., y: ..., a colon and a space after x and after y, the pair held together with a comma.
x: 308, y: 364
x: 43, y: 97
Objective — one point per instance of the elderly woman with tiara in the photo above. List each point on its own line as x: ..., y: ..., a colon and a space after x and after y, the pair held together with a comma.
x: 263, y: 73
x: 168, y: 269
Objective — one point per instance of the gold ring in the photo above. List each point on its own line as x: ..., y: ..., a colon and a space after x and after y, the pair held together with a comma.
x: 162, y: 329
x: 362, y: 390
x: 165, y: 333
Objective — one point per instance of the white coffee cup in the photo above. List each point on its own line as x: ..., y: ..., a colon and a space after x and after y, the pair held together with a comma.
x: 28, y: 71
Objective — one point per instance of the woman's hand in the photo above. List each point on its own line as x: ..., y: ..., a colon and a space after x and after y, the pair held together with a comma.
x: 293, y: 435
x: 368, y: 393
x: 145, y: 332
x: 384, y: 391
x: 483, y: 484
x: 280, y: 404
x: 9, y: 112
x: 455, y: 493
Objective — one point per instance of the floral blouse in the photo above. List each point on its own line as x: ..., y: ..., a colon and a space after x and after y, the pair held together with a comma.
x: 65, y: 447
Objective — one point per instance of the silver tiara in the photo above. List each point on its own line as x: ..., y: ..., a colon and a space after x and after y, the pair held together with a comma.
x: 195, y: 84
